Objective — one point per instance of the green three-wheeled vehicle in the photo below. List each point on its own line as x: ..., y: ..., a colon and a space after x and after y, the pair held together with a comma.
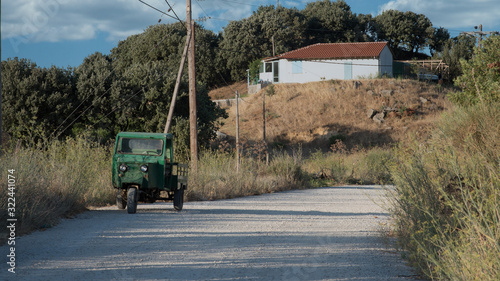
x: 144, y: 170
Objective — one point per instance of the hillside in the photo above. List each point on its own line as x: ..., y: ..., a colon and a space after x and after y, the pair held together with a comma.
x: 315, y: 114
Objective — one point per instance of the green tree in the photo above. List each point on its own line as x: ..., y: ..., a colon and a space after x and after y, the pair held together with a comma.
x: 35, y: 100
x: 147, y: 66
x: 480, y: 81
x: 331, y: 22
x: 438, y: 40
x: 165, y: 43
x: 252, y: 38
x: 95, y: 78
x: 405, y: 31
x: 454, y: 50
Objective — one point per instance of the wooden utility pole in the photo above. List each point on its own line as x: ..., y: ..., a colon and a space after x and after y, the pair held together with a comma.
x: 177, y: 85
x: 192, y: 90
x: 0, y: 86
x: 480, y: 34
x: 237, y: 131
x: 264, y: 115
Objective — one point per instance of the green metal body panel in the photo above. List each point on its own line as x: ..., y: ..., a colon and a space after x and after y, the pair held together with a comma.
x: 153, y: 150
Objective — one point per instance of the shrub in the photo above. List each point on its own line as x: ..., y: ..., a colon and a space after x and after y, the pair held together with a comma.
x: 447, y: 193
x: 480, y: 82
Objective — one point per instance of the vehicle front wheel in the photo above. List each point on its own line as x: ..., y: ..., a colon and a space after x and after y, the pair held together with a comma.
x: 132, y: 200
x: 179, y: 199
x: 120, y: 199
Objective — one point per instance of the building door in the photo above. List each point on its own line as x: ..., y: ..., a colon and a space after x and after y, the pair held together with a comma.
x: 276, y: 72
x: 347, y: 70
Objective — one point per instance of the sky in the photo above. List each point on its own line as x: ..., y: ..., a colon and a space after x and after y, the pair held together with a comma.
x: 64, y: 32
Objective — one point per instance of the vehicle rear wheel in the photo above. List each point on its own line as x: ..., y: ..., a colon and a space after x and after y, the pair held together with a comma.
x: 179, y: 199
x: 120, y: 200
x: 132, y: 200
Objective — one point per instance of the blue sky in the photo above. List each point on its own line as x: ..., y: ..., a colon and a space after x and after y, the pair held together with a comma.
x: 64, y: 32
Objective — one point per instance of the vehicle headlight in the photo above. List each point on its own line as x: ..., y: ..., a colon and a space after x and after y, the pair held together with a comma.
x: 144, y: 168
x: 123, y: 167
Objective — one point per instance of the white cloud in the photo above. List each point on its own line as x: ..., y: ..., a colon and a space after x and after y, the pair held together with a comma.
x: 59, y: 20
x: 452, y: 14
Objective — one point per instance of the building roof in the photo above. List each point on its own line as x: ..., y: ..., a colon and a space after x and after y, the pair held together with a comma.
x: 335, y: 51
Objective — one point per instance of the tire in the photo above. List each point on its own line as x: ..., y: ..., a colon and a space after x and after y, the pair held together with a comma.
x: 121, y: 203
x: 179, y: 199
x: 132, y: 200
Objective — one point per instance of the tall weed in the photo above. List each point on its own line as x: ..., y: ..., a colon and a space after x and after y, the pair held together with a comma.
x: 59, y: 180
x: 446, y: 197
x: 351, y: 166
x: 218, y: 178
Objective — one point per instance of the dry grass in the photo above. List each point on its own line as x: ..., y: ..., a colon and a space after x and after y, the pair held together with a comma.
x: 228, y: 92
x: 311, y: 113
x: 58, y: 180
x: 446, y: 197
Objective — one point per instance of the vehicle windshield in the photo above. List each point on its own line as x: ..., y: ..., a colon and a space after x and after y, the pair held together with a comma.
x: 140, y: 146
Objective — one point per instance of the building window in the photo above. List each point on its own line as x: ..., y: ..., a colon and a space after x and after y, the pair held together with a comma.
x: 269, y: 67
x: 297, y: 67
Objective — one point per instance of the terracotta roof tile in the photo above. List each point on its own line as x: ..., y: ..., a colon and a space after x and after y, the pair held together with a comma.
x: 335, y: 51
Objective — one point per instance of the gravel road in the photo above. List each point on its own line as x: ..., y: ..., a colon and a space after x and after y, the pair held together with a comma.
x: 320, y: 234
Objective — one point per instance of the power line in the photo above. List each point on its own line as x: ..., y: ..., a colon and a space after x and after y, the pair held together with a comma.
x: 156, y: 9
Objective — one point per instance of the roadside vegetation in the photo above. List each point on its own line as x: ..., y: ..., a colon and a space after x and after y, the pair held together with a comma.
x: 443, y: 158
x: 447, y: 192
x: 57, y: 180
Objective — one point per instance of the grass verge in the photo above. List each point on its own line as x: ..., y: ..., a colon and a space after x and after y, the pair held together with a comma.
x: 447, y: 194
x: 58, y: 181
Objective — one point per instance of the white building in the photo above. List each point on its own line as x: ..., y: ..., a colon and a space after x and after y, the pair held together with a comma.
x: 318, y: 62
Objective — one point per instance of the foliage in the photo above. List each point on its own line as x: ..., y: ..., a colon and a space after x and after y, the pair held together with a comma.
x: 128, y: 90
x: 331, y: 22
x: 408, y: 31
x: 480, y: 82
x: 252, y: 38
x: 254, y: 70
x: 447, y: 192
x: 454, y: 50
x: 34, y: 99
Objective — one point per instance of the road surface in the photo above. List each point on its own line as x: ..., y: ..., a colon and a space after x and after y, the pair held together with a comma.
x: 319, y: 234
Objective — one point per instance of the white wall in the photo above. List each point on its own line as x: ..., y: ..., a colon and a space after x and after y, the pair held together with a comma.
x: 330, y: 69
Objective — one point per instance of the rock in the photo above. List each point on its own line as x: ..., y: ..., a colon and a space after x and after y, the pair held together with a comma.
x: 371, y: 112
x: 379, y: 117
x: 423, y: 100
x: 387, y: 93
x: 389, y: 109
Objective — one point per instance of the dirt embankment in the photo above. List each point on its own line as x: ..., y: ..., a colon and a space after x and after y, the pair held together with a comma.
x: 311, y: 114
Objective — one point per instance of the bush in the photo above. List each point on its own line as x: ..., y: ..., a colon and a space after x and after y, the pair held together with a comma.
x: 447, y: 193
x: 480, y: 82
